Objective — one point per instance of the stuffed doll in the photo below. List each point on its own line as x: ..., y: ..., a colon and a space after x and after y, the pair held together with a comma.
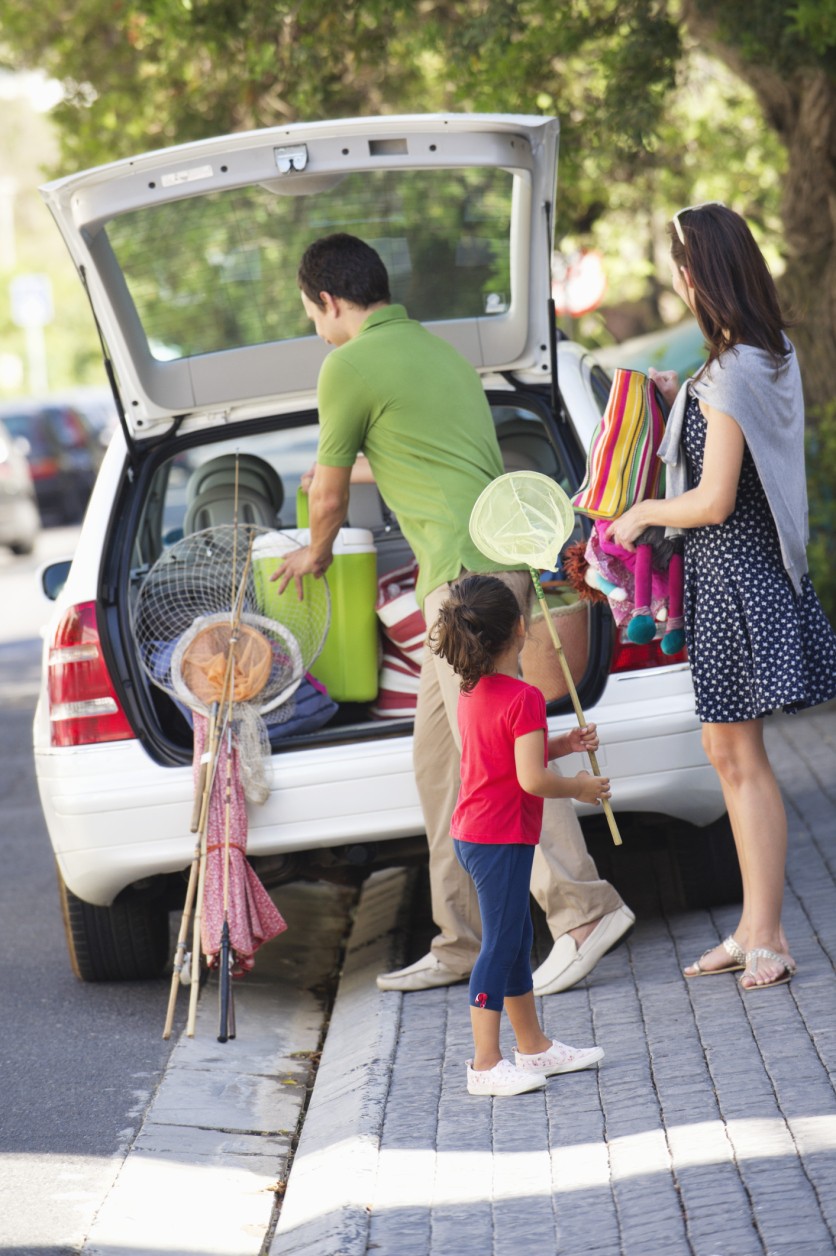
x: 646, y: 585
x: 643, y: 587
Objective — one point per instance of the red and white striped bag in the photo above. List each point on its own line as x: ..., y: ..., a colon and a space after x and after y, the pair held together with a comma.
x: 403, y: 632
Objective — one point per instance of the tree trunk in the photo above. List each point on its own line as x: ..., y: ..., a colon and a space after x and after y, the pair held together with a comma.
x: 801, y: 108
x: 809, y: 213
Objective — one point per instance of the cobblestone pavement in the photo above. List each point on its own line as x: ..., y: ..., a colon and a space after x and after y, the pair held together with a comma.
x: 708, y: 1130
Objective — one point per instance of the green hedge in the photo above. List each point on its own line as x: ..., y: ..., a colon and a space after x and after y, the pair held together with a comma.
x: 821, y: 489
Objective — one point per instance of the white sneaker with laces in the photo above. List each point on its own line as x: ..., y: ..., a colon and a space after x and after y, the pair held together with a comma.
x: 503, y: 1079
x: 425, y: 974
x: 558, y: 1059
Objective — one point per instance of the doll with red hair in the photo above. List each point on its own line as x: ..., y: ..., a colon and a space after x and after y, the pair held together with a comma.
x: 642, y: 587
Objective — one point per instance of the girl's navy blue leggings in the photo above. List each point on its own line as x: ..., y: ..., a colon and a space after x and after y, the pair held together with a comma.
x: 502, y: 876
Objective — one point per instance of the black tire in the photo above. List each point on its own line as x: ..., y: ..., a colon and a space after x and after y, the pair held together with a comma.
x: 666, y: 865
x: 706, y: 860
x: 128, y: 941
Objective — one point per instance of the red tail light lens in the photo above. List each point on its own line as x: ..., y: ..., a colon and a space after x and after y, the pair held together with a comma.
x: 628, y: 657
x: 44, y: 468
x: 83, y: 708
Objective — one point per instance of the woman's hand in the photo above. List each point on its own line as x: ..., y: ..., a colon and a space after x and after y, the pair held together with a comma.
x: 628, y: 526
x: 667, y: 382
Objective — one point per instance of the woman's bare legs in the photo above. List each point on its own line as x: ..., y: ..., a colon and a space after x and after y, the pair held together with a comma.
x: 759, y: 825
x: 522, y: 1014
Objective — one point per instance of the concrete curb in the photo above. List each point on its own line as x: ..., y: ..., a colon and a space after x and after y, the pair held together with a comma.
x: 335, y: 1165
x: 201, y: 1174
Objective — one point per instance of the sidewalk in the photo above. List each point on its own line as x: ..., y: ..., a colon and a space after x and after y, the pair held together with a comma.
x: 201, y: 1175
x: 709, y: 1129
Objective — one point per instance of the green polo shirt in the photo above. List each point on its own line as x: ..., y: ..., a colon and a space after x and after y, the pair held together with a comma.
x: 416, y: 408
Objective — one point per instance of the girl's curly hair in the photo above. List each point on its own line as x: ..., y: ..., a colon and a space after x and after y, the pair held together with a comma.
x: 474, y: 625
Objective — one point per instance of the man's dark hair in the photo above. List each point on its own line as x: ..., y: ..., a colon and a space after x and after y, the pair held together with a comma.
x: 346, y: 267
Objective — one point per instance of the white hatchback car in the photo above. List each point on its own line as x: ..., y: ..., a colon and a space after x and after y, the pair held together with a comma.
x: 189, y: 258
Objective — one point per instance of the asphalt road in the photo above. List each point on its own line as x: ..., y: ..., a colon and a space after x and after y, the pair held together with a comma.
x: 105, y: 1130
x: 78, y: 1063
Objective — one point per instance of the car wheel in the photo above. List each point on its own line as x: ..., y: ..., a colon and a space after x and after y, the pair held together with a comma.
x: 706, y: 861
x: 666, y: 865
x: 128, y: 941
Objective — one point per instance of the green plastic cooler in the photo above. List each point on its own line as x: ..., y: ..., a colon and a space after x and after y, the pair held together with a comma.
x: 348, y: 664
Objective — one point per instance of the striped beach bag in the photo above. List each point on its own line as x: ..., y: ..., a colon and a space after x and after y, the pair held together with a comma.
x: 402, y: 636
x: 622, y: 466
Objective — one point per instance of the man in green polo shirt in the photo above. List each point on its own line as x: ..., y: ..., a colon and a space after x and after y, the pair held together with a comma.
x: 416, y: 409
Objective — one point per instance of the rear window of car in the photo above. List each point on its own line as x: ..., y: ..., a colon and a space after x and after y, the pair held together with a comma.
x: 218, y: 271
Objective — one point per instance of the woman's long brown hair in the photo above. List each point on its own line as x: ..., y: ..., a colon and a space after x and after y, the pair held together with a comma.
x: 735, y: 299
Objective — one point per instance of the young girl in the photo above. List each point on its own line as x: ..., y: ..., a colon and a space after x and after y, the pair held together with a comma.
x: 496, y: 825
x: 757, y: 637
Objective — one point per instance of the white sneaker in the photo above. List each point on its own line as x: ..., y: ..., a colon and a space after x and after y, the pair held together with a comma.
x: 558, y: 1059
x: 425, y: 974
x: 503, y: 1079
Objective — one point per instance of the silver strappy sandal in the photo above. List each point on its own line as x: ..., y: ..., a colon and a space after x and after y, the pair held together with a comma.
x: 763, y: 952
x: 736, y: 954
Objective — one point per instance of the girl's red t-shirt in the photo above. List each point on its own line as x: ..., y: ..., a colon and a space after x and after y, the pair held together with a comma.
x: 492, y: 806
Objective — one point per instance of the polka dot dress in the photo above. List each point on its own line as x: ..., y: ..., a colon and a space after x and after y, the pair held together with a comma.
x: 754, y: 646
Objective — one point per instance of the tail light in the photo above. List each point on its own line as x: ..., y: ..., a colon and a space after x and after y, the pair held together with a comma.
x: 44, y: 468
x: 628, y: 657
x: 83, y: 707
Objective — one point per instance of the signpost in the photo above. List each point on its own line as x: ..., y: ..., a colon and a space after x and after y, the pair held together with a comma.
x: 32, y: 310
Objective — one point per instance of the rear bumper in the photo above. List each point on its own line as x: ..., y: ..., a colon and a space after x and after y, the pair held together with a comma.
x: 115, y: 816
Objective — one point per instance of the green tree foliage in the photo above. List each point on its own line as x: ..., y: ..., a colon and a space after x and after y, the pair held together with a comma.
x: 821, y: 484
x: 142, y: 74
x: 786, y: 52
x: 605, y: 67
x: 636, y: 138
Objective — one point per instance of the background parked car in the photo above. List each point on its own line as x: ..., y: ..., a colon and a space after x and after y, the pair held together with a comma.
x: 20, y: 521
x: 64, y: 454
x: 98, y: 407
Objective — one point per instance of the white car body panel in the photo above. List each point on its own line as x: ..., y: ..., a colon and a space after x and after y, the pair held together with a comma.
x: 114, y: 814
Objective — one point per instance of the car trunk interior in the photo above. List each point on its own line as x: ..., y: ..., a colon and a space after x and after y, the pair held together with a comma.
x: 364, y: 685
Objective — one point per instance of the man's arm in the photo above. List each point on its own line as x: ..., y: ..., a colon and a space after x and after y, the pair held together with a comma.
x: 327, y: 508
x: 361, y: 473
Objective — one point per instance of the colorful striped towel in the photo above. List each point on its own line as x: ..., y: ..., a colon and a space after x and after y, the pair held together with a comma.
x: 622, y: 466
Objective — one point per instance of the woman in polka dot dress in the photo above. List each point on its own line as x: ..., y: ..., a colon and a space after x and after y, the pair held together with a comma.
x: 758, y: 639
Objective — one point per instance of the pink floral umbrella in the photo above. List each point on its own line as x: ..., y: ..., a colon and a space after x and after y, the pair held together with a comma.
x: 252, y: 915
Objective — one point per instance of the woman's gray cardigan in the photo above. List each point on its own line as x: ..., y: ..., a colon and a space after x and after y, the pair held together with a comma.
x: 768, y: 405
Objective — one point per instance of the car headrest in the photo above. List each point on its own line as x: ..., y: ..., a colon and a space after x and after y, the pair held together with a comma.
x: 210, y: 493
x: 216, y: 507
x: 253, y: 472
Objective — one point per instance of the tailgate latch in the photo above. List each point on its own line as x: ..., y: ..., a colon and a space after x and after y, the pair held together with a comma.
x: 292, y: 158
